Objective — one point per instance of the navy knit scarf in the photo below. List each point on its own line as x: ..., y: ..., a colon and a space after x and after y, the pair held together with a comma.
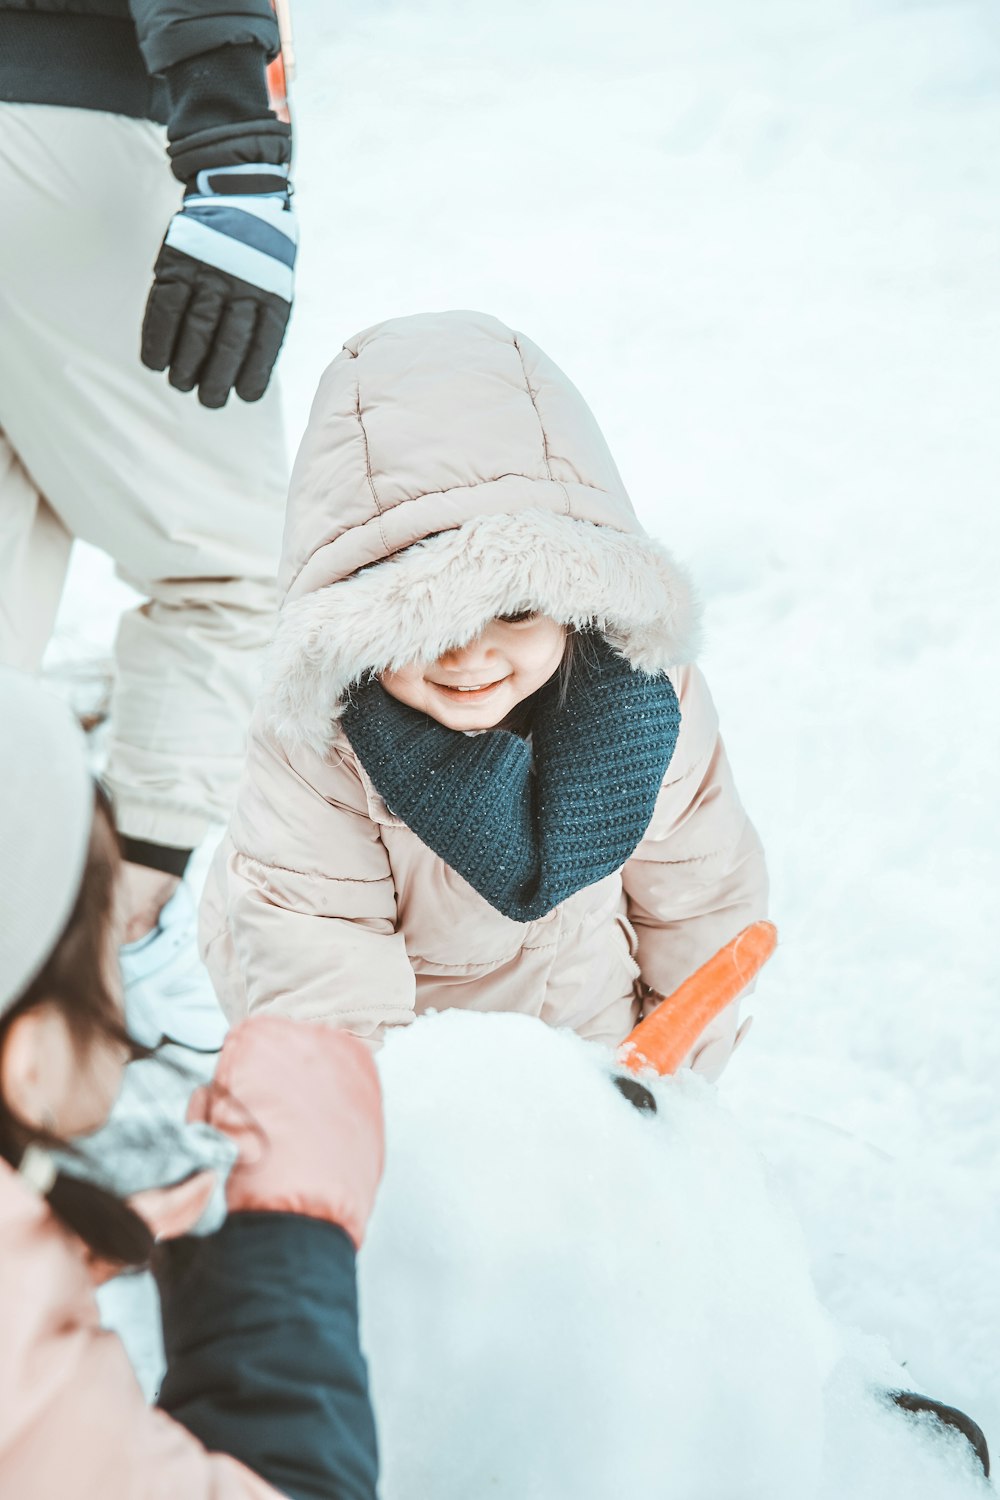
x: 528, y: 824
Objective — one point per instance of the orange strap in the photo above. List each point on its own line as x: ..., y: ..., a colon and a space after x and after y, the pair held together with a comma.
x: 663, y: 1040
x: 277, y: 89
x: 281, y: 71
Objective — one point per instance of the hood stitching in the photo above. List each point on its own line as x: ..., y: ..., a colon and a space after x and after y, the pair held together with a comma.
x: 368, y: 464
x: 541, y: 425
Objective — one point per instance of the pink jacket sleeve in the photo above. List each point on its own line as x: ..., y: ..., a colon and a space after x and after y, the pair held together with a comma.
x: 299, y: 913
x: 698, y: 876
x: 73, y: 1420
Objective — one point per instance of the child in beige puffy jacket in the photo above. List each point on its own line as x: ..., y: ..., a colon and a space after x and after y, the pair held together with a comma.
x: 484, y: 772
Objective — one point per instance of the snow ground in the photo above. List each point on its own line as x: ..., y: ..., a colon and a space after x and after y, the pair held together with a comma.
x: 764, y: 242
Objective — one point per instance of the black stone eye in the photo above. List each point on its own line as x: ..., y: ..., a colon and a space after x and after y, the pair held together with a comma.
x: 519, y: 619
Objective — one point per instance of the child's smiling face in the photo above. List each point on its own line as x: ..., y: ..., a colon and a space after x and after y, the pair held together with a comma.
x: 478, y: 685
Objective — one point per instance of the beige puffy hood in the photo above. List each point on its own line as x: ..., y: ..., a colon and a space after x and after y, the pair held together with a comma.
x: 450, y: 473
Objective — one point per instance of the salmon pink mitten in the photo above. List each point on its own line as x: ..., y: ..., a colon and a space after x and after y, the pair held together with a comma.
x: 303, y: 1103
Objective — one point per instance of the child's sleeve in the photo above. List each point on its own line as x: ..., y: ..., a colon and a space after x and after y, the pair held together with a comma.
x: 698, y: 877
x: 299, y: 911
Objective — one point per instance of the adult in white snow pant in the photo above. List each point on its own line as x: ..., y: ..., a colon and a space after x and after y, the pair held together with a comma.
x: 187, y: 501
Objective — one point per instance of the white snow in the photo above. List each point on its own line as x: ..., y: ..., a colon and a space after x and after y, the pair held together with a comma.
x: 764, y: 240
x: 564, y: 1297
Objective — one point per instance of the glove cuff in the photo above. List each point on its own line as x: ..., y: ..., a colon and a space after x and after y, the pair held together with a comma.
x: 261, y: 141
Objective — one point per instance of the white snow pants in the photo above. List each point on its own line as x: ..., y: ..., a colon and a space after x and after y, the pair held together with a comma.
x: 188, y: 502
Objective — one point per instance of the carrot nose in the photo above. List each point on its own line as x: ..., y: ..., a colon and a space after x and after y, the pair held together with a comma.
x: 663, y: 1040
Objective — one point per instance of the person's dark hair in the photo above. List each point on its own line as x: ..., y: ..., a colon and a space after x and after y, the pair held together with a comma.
x: 74, y: 978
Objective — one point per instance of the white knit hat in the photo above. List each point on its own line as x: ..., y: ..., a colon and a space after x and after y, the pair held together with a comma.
x: 46, y: 813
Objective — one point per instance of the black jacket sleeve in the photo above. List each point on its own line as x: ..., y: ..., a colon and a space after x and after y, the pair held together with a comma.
x: 171, y: 31
x: 260, y: 1326
x: 213, y: 58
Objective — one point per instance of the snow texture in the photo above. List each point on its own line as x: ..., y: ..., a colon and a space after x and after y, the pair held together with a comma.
x: 764, y: 241
x: 564, y: 1297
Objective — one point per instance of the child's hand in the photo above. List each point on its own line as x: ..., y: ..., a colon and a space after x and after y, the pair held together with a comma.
x: 173, y: 1211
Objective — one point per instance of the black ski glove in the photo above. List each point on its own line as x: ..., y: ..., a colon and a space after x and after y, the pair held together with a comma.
x: 222, y: 287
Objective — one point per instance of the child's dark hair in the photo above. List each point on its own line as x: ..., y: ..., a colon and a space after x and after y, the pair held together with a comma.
x: 74, y: 978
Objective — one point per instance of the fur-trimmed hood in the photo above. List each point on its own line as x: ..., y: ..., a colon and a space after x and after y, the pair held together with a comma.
x: 451, y: 473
